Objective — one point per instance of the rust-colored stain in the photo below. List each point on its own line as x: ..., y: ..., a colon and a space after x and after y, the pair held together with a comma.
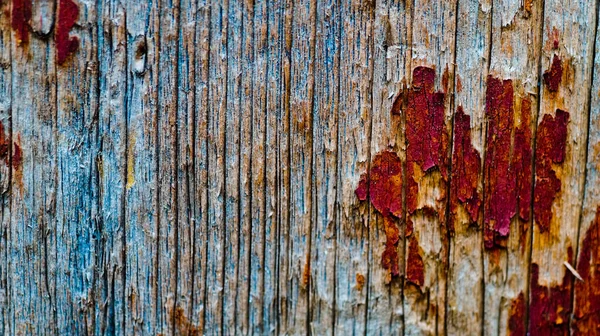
x: 466, y: 166
x: 415, y: 268
x: 516, y: 321
x: 183, y: 325
x: 17, y: 157
x: 522, y: 156
x: 360, y: 282
x: 383, y: 187
x: 586, y: 317
x: 306, y: 273
x: 550, y: 307
x: 553, y: 76
x: 500, y: 181
x: 20, y: 18
x: 551, y: 144
x: 445, y: 79
x: 68, y: 13
x: 527, y: 6
x: 426, y: 133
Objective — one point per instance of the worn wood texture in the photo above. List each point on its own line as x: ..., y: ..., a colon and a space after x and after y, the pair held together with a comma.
x: 318, y: 167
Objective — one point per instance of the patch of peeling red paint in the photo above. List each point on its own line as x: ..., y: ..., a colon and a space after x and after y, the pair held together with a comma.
x: 20, y: 17
x: 68, y: 13
x: 586, y: 316
x: 426, y: 133
x: 383, y: 187
x: 415, y: 268
x: 553, y: 76
x: 500, y: 181
x: 516, y: 321
x: 466, y: 166
x: 550, y: 307
x: 522, y: 161
x: 551, y: 144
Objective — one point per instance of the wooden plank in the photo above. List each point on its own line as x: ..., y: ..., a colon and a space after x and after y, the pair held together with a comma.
x: 217, y: 108
x: 272, y: 53
x: 237, y: 189
x: 5, y: 176
x: 111, y: 169
x: 261, y: 317
x: 428, y: 128
x: 385, y: 61
x: 351, y: 103
x: 200, y: 159
x: 465, y: 273
x: 301, y: 107
x: 77, y: 195
x: 585, y: 318
x: 141, y: 198
x: 28, y: 130
x: 516, y: 45
x: 325, y: 115
x: 567, y: 60
x: 182, y: 313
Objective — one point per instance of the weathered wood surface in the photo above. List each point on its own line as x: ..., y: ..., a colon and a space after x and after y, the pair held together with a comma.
x: 299, y: 167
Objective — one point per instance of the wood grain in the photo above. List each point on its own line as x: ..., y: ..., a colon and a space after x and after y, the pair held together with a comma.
x: 191, y: 167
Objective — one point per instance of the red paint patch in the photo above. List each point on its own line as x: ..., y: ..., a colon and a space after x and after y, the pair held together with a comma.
x: 466, y: 165
x: 426, y: 133
x: 551, y: 145
x: 516, y: 321
x: 68, y: 13
x: 522, y: 161
x: 586, y: 319
x: 553, y: 76
x: 500, y: 182
x: 415, y: 268
x: 20, y: 17
x: 550, y: 307
x: 383, y: 186
x: 17, y: 157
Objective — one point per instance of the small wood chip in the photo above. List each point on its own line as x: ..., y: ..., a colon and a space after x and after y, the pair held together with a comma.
x: 572, y: 269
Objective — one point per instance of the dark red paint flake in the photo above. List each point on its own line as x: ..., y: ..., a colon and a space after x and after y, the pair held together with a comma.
x: 551, y: 144
x: 586, y: 318
x: 500, y: 181
x: 426, y: 133
x: 553, y: 76
x: 383, y: 187
x: 516, y: 321
x: 415, y: 268
x: 20, y: 17
x: 17, y: 157
x: 550, y: 307
x: 522, y: 161
x: 466, y: 166
x: 68, y: 13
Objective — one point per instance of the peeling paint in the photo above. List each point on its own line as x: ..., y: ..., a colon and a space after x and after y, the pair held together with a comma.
x: 500, y: 182
x: 68, y: 13
x: 550, y: 306
x: 383, y: 187
x: 522, y: 161
x: 426, y: 134
x: 586, y: 316
x: 415, y: 268
x: 516, y: 321
x: 551, y: 147
x: 466, y: 166
x: 20, y: 18
x: 553, y: 76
